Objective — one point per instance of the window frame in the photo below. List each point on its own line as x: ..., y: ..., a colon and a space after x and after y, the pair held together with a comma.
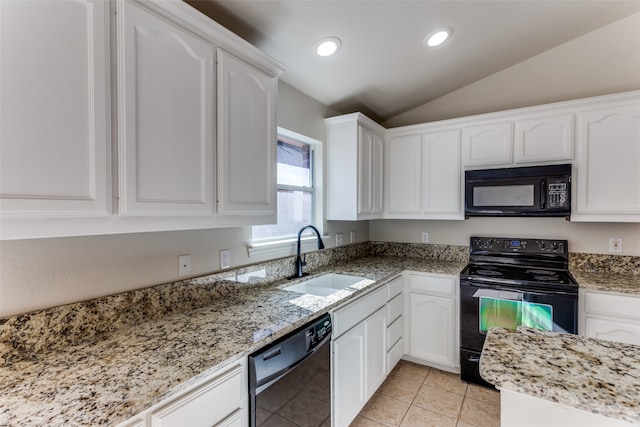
x: 286, y: 245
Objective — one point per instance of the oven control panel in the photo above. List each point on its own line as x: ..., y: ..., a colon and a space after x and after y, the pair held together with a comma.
x: 497, y: 245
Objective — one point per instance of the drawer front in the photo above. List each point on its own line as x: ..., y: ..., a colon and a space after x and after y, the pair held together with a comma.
x: 436, y: 285
x: 613, y: 305
x: 204, y: 406
x: 347, y: 317
x: 395, y: 288
x: 394, y: 332
x: 394, y: 355
x: 395, y: 308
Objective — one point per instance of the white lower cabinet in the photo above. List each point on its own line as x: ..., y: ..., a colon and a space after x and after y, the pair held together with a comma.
x: 611, y: 317
x: 432, y: 329
x: 220, y: 400
x: 362, y: 355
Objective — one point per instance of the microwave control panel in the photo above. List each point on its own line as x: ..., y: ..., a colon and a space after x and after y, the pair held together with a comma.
x: 557, y: 193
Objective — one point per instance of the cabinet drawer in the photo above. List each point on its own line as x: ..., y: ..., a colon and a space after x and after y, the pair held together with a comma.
x: 347, y: 317
x: 433, y: 284
x: 612, y: 305
x: 395, y: 288
x: 395, y: 308
x: 394, y: 332
x: 204, y: 406
x: 394, y: 355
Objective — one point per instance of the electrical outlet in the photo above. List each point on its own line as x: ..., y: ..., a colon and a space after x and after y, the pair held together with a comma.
x: 425, y: 237
x: 225, y: 258
x: 184, y: 265
x: 615, y: 244
x: 339, y: 239
x: 352, y: 237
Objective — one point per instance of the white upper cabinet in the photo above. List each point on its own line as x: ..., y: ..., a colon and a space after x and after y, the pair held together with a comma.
x: 176, y: 113
x: 247, y: 137
x: 354, y: 168
x: 166, y: 93
x: 423, y: 174
x: 441, y: 175
x: 404, y: 174
x: 54, y: 112
x: 608, y: 172
x: 544, y: 138
x: 488, y: 144
x: 370, y: 167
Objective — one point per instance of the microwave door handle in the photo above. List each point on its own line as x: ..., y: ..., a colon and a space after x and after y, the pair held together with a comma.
x: 543, y: 194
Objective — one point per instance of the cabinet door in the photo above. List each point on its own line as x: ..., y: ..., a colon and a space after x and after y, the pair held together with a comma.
x: 54, y: 110
x: 166, y: 140
x: 544, y: 139
x: 431, y: 328
x: 348, y: 375
x: 247, y: 133
x: 488, y: 144
x: 377, y: 180
x: 375, y: 351
x: 612, y: 330
x: 441, y: 177
x: 608, y: 144
x: 365, y: 170
x: 404, y: 174
x: 370, y: 159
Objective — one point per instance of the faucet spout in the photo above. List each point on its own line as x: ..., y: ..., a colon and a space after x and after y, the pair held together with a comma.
x: 299, y: 262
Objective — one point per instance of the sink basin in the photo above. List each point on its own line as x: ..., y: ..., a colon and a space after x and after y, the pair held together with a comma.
x: 326, y: 284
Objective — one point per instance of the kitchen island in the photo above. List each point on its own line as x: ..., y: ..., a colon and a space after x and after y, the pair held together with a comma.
x: 553, y: 379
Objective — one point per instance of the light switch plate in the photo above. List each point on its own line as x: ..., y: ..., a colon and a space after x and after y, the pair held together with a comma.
x: 339, y: 239
x: 615, y: 245
x: 225, y: 258
x: 184, y: 265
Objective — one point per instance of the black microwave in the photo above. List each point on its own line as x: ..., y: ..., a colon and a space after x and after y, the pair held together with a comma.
x: 524, y: 191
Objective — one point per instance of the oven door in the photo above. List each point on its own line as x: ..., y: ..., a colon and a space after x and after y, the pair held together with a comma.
x: 483, y: 305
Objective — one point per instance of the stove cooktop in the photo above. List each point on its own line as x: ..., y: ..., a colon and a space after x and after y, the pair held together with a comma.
x: 519, y: 276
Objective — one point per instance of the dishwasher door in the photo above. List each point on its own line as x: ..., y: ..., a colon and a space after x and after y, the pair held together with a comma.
x: 290, y: 380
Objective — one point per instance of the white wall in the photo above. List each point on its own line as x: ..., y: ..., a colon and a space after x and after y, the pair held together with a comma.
x: 602, y: 62
x: 582, y: 237
x: 40, y: 273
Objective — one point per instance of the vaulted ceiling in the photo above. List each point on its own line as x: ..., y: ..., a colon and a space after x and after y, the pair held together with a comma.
x: 382, y: 68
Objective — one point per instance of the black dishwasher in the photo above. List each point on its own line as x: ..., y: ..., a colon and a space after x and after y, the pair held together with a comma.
x: 290, y: 379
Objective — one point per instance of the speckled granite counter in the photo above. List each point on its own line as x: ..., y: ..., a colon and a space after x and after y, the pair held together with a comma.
x: 597, y: 376
x: 113, y: 376
x: 608, y: 282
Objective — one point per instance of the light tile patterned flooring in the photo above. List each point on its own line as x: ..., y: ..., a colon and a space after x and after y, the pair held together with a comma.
x: 418, y: 396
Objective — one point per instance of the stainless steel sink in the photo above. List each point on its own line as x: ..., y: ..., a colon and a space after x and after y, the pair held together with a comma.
x: 327, y: 284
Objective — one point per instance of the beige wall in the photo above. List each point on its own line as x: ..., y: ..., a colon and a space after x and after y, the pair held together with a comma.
x: 41, y: 273
x: 602, y: 62
x: 582, y: 237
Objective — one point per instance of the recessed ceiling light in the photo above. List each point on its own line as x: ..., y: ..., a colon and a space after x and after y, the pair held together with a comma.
x: 328, y: 46
x: 437, y: 37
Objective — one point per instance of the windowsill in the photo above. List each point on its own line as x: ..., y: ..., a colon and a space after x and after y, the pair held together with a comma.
x: 282, y: 248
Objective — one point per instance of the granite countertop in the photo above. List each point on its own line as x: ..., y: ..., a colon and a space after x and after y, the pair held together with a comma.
x: 608, y: 282
x: 593, y: 375
x: 110, y: 378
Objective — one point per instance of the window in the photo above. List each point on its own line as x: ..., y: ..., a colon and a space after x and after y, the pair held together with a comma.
x: 296, y: 190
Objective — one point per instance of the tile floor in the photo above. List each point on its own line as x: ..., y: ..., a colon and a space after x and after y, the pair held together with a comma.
x: 418, y: 396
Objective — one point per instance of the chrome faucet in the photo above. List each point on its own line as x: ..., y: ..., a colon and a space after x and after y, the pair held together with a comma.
x: 299, y: 261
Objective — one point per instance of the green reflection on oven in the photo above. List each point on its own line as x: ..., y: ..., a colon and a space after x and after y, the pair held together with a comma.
x: 510, y: 314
